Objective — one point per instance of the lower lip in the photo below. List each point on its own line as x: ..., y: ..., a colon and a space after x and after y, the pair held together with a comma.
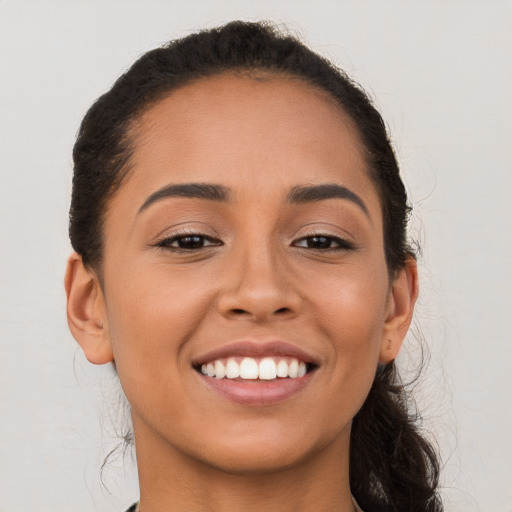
x: 258, y: 392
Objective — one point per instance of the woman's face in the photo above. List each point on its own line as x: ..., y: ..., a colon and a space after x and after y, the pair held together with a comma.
x: 248, y: 230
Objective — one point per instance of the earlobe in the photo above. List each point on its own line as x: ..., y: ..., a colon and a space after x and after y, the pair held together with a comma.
x: 403, y: 295
x: 86, y: 311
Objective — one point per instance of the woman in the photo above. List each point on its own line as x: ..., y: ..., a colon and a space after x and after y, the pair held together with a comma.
x: 239, y: 225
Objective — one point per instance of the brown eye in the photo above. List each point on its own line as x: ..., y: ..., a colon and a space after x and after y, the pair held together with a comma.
x: 323, y: 243
x: 188, y: 242
x: 319, y: 242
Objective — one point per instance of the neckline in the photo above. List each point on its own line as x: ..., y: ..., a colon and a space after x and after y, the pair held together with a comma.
x: 357, y: 508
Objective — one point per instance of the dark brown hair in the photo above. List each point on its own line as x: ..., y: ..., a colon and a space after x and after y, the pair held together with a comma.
x: 392, y: 467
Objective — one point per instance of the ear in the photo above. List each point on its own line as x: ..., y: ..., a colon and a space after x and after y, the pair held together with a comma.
x: 86, y: 311
x: 403, y: 295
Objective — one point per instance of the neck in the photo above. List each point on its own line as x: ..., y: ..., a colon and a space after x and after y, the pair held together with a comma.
x: 172, y: 481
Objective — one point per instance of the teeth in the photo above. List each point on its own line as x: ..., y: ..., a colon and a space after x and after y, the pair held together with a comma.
x: 220, y: 371
x: 293, y: 369
x: 268, y: 368
x: 248, y: 368
x: 232, y: 369
x: 282, y: 368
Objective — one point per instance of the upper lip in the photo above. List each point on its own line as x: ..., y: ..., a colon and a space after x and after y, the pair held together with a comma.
x: 256, y: 349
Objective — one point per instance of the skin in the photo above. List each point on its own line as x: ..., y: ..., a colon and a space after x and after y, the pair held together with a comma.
x: 157, y: 309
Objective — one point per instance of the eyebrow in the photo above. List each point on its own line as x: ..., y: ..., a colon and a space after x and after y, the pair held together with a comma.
x: 206, y: 191
x: 313, y: 193
x: 298, y: 195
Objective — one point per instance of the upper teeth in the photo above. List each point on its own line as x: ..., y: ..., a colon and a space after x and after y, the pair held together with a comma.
x: 267, y: 368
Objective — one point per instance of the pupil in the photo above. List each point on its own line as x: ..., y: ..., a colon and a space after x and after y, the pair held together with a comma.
x: 319, y: 242
x: 190, y: 242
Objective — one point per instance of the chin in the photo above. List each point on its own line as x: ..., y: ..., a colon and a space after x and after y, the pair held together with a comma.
x: 259, y: 454
x: 256, y: 461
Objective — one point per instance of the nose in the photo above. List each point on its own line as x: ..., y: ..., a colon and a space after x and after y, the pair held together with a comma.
x: 259, y: 287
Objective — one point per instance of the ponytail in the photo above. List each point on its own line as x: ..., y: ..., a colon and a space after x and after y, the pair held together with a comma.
x: 392, y: 467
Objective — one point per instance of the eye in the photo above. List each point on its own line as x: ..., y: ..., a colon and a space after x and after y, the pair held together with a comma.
x: 188, y: 242
x: 323, y: 243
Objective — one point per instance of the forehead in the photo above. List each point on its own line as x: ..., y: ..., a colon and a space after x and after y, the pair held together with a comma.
x: 233, y: 128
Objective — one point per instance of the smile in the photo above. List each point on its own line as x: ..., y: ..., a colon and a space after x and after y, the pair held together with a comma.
x: 256, y: 373
x: 251, y: 368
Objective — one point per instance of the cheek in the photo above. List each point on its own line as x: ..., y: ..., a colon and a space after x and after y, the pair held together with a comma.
x: 351, y: 312
x: 352, y: 302
x: 152, y: 316
x: 151, y: 320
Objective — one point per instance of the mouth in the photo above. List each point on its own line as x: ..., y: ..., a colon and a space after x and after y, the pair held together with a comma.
x: 256, y: 368
x: 256, y: 373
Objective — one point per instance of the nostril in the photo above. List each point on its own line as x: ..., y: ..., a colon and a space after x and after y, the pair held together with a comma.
x: 240, y: 311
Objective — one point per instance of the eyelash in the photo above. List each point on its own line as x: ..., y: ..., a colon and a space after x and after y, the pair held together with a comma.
x: 342, y: 244
x: 166, y: 243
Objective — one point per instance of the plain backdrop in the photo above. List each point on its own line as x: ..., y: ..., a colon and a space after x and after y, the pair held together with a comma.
x: 441, y: 74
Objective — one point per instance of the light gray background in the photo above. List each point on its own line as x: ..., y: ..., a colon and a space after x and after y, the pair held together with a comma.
x: 441, y: 73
